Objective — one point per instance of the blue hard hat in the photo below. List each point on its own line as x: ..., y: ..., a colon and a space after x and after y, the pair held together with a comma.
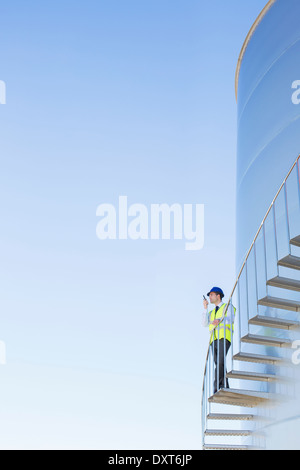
x: 216, y: 290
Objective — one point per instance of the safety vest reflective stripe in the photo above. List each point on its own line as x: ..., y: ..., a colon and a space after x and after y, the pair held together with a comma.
x: 218, y: 332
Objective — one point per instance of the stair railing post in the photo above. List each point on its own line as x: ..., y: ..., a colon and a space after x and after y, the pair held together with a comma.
x: 265, y: 256
x: 231, y: 331
x: 298, y: 178
x: 287, y: 217
x: 298, y: 171
x: 247, y: 291
x: 239, y: 316
x: 276, y: 240
x: 214, y: 375
x: 255, y: 270
x: 218, y: 357
x: 224, y: 351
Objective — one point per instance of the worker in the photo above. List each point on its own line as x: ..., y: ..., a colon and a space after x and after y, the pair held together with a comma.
x: 218, y: 329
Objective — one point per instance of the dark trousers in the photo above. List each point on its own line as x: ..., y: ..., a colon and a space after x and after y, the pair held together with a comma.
x: 219, y: 359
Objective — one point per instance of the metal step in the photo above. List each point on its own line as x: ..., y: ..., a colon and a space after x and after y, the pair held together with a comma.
x: 236, y: 374
x: 227, y: 432
x: 267, y: 341
x: 290, y: 261
x: 259, y: 359
x: 274, y: 322
x: 224, y: 447
x: 295, y: 241
x: 231, y: 417
x: 247, y: 398
x: 283, y: 304
x: 284, y: 283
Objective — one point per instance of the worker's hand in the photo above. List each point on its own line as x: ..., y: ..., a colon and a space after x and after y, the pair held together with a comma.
x: 205, y: 304
x: 216, y: 322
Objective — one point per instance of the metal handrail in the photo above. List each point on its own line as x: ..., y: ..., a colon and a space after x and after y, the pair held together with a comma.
x: 244, y: 264
x: 260, y: 227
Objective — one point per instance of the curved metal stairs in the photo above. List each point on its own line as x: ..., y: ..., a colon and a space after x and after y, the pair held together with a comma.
x: 263, y: 356
x: 248, y: 398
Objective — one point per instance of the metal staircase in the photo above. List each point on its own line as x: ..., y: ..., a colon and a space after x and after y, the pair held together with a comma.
x: 259, y: 363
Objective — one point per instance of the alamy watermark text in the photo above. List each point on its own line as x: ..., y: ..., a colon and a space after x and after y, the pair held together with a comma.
x: 2, y: 92
x: 296, y: 94
x: 138, y: 222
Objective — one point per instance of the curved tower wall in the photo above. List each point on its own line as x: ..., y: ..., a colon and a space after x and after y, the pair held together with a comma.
x: 268, y: 120
x: 268, y: 145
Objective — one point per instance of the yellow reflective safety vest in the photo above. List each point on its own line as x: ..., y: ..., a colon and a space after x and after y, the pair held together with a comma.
x: 219, y: 330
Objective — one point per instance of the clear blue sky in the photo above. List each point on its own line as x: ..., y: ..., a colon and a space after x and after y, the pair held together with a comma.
x: 105, y: 348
